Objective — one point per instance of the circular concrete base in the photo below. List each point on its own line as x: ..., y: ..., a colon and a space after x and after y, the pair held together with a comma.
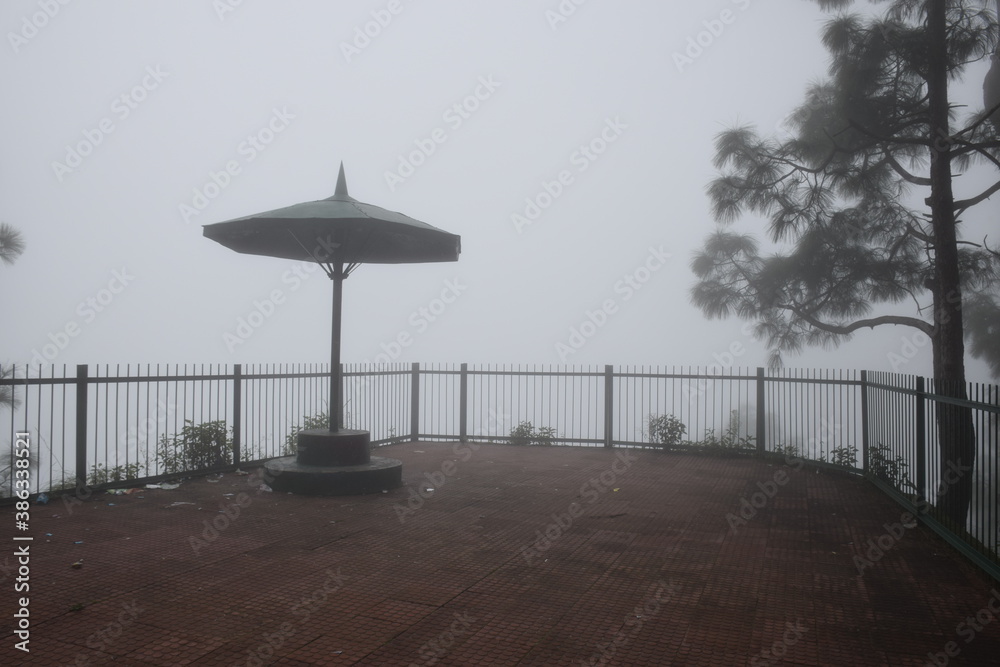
x: 379, y: 474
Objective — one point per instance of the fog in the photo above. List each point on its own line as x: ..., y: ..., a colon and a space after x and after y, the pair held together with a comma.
x: 570, y: 150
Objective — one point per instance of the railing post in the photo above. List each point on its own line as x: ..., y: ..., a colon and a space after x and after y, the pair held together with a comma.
x: 864, y: 422
x: 237, y: 412
x: 921, y: 437
x: 81, y: 423
x: 761, y: 413
x: 463, y: 405
x: 414, y: 401
x: 609, y: 405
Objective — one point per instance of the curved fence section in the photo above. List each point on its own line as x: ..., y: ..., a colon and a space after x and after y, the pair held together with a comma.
x: 124, y: 425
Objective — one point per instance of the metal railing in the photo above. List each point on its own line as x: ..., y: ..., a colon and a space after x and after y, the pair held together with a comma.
x: 115, y: 424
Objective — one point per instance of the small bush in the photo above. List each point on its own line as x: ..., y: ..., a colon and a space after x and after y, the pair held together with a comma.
x: 196, y: 447
x: 99, y: 474
x: 846, y: 457
x: 787, y: 451
x: 730, y: 443
x: 318, y: 420
x: 525, y: 435
x: 888, y: 468
x: 666, y: 430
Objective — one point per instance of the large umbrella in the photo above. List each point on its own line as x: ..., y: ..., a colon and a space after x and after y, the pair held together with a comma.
x: 339, y: 234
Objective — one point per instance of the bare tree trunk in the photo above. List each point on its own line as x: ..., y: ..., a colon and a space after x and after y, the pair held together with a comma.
x: 955, y: 427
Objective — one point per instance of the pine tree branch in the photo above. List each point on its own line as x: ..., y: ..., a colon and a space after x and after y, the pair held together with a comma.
x: 907, y: 176
x: 982, y: 119
x: 845, y: 329
x: 961, y: 206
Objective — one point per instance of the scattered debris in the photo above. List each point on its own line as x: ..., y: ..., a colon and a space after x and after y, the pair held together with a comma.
x: 78, y: 542
x: 42, y: 498
x: 241, y: 473
x: 77, y: 565
x: 169, y: 486
x: 264, y: 487
x: 177, y: 504
x: 117, y: 492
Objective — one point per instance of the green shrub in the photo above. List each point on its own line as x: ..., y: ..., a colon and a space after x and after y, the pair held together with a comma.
x: 889, y: 469
x: 787, y: 451
x: 665, y: 430
x: 524, y: 434
x: 846, y: 457
x: 99, y: 474
x: 730, y: 443
x: 318, y: 420
x: 196, y: 447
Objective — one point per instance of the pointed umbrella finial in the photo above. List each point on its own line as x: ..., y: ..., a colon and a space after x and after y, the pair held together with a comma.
x: 341, y: 183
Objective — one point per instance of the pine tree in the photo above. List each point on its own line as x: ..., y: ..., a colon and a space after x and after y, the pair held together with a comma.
x: 839, y: 199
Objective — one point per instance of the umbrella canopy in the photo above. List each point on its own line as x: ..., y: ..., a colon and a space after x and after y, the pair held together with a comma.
x: 337, y: 229
x: 339, y: 234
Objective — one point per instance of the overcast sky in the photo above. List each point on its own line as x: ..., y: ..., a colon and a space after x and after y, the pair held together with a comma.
x: 129, y: 125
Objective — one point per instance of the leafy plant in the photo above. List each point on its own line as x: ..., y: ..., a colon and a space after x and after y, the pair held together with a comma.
x: 846, y: 457
x: 524, y: 434
x: 318, y: 420
x: 665, y: 430
x: 787, y: 451
x: 99, y: 474
x: 196, y: 447
x: 730, y: 442
x: 888, y: 468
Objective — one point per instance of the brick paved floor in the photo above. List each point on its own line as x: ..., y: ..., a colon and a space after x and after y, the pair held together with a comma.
x: 640, y: 566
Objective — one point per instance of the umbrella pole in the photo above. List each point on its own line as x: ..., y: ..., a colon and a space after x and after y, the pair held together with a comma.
x: 336, y: 382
